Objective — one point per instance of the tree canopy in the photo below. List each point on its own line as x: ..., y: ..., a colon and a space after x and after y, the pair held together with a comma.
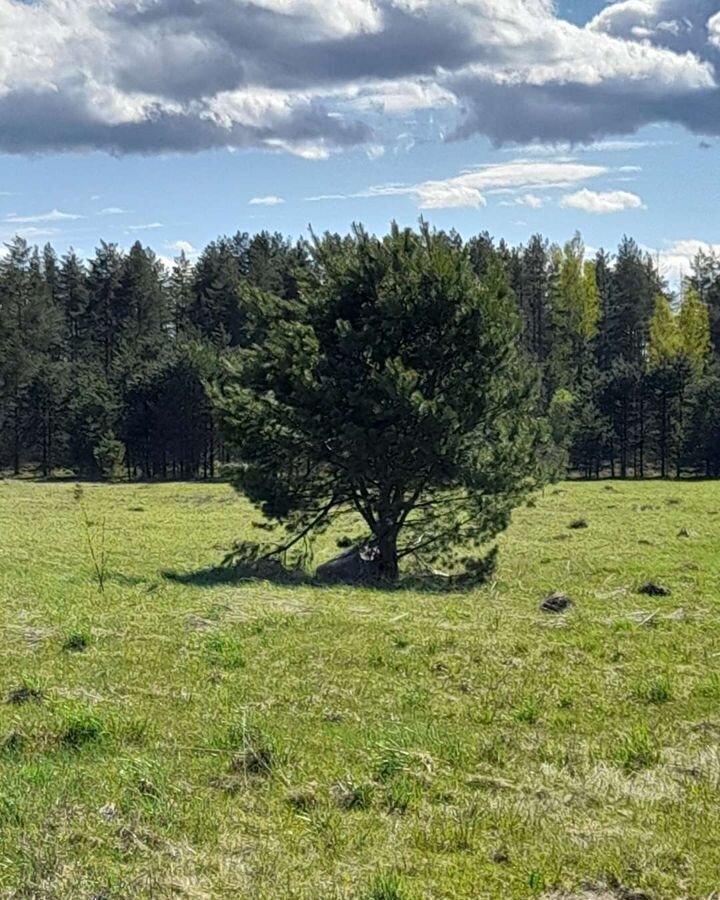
x: 122, y: 348
x: 394, y: 387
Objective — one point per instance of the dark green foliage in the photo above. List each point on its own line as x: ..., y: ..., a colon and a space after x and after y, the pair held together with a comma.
x: 393, y: 387
x: 119, y: 348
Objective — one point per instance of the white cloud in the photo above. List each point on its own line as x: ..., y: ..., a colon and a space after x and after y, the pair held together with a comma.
x: 601, y: 203
x: 570, y: 151
x: 182, y: 247
x: 714, y: 30
x: 148, y: 227
x: 113, y: 211
x: 31, y: 232
x: 530, y: 200
x: 271, y: 200
x: 447, y: 195
x: 675, y: 260
x: 401, y: 97
x: 54, y: 215
x: 469, y: 189
x: 311, y: 77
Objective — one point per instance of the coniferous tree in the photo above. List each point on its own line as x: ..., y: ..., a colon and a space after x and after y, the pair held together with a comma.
x: 664, y: 361
x: 534, y: 297
x: 29, y: 334
x: 705, y: 279
x: 72, y: 300
x: 104, y: 313
x: 633, y: 383
x: 394, y: 388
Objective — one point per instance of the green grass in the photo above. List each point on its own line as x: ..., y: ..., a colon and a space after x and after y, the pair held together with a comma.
x: 191, y: 737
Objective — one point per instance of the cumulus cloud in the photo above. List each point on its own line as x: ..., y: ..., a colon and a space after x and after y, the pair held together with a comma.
x: 714, y: 30
x: 311, y: 77
x: 272, y: 200
x: 601, y: 203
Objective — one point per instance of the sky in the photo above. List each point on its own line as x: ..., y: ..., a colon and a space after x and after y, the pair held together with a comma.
x: 174, y: 121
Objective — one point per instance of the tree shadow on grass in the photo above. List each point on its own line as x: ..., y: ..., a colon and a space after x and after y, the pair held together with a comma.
x: 218, y: 576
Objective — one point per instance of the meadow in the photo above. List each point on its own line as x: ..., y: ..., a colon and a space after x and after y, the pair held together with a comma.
x: 181, y: 734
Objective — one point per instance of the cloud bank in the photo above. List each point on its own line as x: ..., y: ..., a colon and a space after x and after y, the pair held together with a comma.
x: 312, y: 77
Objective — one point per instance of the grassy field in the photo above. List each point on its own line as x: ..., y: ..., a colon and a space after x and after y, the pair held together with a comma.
x: 181, y: 736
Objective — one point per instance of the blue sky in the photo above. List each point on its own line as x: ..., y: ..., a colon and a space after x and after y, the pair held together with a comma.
x: 554, y: 122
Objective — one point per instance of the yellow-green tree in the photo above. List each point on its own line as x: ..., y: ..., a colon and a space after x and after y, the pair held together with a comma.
x: 665, y: 341
x: 575, y: 312
x: 694, y: 330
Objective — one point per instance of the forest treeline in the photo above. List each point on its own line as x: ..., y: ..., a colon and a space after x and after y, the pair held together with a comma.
x: 107, y: 365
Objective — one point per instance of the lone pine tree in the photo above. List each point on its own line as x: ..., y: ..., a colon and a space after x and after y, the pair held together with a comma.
x: 394, y: 387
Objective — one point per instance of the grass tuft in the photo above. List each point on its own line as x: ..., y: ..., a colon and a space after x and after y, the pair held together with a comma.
x: 637, y: 750
x: 77, y: 642
x: 81, y: 728
x: 656, y: 691
x: 387, y: 886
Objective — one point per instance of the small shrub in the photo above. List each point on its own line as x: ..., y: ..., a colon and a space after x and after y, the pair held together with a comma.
x: 578, y: 524
x: 109, y: 456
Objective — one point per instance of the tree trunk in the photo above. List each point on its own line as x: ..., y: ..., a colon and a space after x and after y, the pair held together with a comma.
x: 641, y: 448
x: 16, y: 443
x: 387, y: 546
